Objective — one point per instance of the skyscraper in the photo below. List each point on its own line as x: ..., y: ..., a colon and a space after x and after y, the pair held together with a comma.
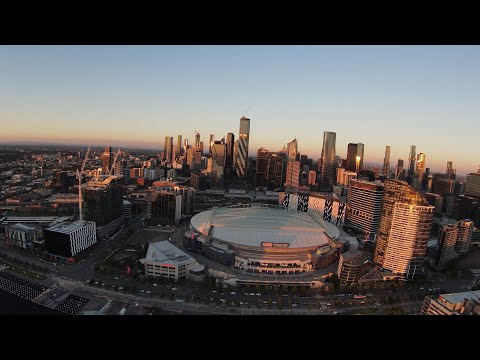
x: 450, y: 171
x: 327, y: 162
x: 179, y: 147
x: 168, y: 149
x: 404, y: 229
x: 229, y: 155
x: 185, y: 146
x: 411, y: 159
x: 353, y: 151
x: 292, y: 149
x: 210, y: 144
x: 364, y: 205
x: 465, y: 231
x: 201, y: 147
x: 218, y: 163
x: 242, y: 150
x: 312, y: 177
x: 386, y: 162
x: 447, y: 237
x: 197, y: 141
x: 399, y: 170
x: 165, y: 146
x: 293, y: 175
x: 261, y: 173
x: 107, y: 160
x: 472, y: 185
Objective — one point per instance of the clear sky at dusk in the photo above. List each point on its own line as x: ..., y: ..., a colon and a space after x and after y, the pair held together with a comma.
x: 136, y: 95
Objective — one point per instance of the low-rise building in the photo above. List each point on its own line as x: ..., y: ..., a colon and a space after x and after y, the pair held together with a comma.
x: 465, y: 303
x: 23, y: 236
x: 166, y: 260
x: 351, y: 267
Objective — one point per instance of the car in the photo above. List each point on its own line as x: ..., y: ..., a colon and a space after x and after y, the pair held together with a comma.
x: 214, y: 291
x: 155, y: 284
x: 120, y: 288
x: 233, y: 293
x: 142, y: 291
x: 258, y: 294
x: 149, y: 292
x: 174, y: 289
x: 116, y: 278
x: 328, y: 304
x: 294, y: 305
x: 421, y: 288
x: 180, y: 300
x: 252, y: 294
x: 274, y: 302
x: 241, y: 302
x: 247, y: 294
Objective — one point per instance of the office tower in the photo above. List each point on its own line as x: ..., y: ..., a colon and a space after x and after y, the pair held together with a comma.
x: 276, y: 171
x: 121, y: 169
x: 190, y: 157
x: 353, y: 163
x: 261, y: 173
x: 450, y: 171
x: 218, y: 163
x: 210, y: 144
x: 386, y: 163
x: 420, y: 167
x: 465, y: 230
x: 435, y: 200
x: 327, y: 162
x: 197, y: 160
x: 293, y: 175
x: 241, y: 158
x: 399, y: 170
x: 107, y: 160
x: 229, y: 152
x: 185, y: 146
x: 412, y: 159
x: 472, y: 185
x: 312, y: 177
x: 404, y: 229
x: 197, y: 141
x: 464, y: 303
x: 167, y: 150
x: 201, y: 147
x: 364, y: 205
x: 292, y: 149
x: 165, y: 147
x: 103, y: 200
x: 179, y: 152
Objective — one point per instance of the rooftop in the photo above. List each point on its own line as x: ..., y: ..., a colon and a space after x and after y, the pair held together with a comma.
x: 456, y: 298
x: 255, y: 224
x: 69, y: 227
x: 164, y: 251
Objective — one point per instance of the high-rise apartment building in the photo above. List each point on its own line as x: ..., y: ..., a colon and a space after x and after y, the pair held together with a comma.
x: 261, y: 173
x: 197, y: 141
x: 420, y: 168
x: 218, y: 163
x: 465, y: 231
x: 404, y: 229
x: 450, y: 170
x: 242, y: 149
x: 364, y: 205
x: 312, y: 177
x: 386, y: 163
x: 447, y: 237
x: 103, y: 200
x: 292, y: 150
x: 327, y: 162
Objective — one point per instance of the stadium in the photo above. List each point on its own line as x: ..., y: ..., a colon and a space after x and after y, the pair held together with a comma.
x: 264, y: 238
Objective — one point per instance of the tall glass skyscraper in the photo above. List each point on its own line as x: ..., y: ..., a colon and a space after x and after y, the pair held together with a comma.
x: 292, y: 149
x: 353, y: 151
x: 404, y: 230
x: 386, y: 163
x: 327, y: 162
x: 411, y: 160
x: 178, y: 150
x: 242, y: 150
x: 230, y: 143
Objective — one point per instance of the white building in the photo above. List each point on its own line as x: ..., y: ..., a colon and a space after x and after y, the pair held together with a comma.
x: 165, y: 259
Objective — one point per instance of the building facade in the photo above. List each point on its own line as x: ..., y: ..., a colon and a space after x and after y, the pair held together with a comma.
x: 351, y: 267
x: 364, y: 206
x: 241, y: 159
x: 327, y: 162
x: 403, y: 233
x: 70, y: 238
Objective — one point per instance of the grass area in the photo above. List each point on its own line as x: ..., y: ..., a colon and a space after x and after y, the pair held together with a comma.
x: 117, y: 263
x: 22, y: 271
x: 363, y: 311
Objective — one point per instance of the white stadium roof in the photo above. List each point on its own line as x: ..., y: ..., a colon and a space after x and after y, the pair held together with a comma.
x: 254, y: 225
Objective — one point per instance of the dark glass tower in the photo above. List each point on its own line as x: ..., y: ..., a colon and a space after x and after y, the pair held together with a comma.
x: 327, y: 162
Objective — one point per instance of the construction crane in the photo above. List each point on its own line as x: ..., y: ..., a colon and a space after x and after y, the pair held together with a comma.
x: 114, y: 161
x: 79, y: 177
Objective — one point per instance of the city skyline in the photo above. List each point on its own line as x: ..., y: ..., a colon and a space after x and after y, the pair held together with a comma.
x: 135, y: 96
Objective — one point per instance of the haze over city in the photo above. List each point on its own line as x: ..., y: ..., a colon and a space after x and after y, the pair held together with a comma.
x: 137, y: 95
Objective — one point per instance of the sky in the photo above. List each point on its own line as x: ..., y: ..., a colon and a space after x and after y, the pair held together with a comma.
x: 428, y: 96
